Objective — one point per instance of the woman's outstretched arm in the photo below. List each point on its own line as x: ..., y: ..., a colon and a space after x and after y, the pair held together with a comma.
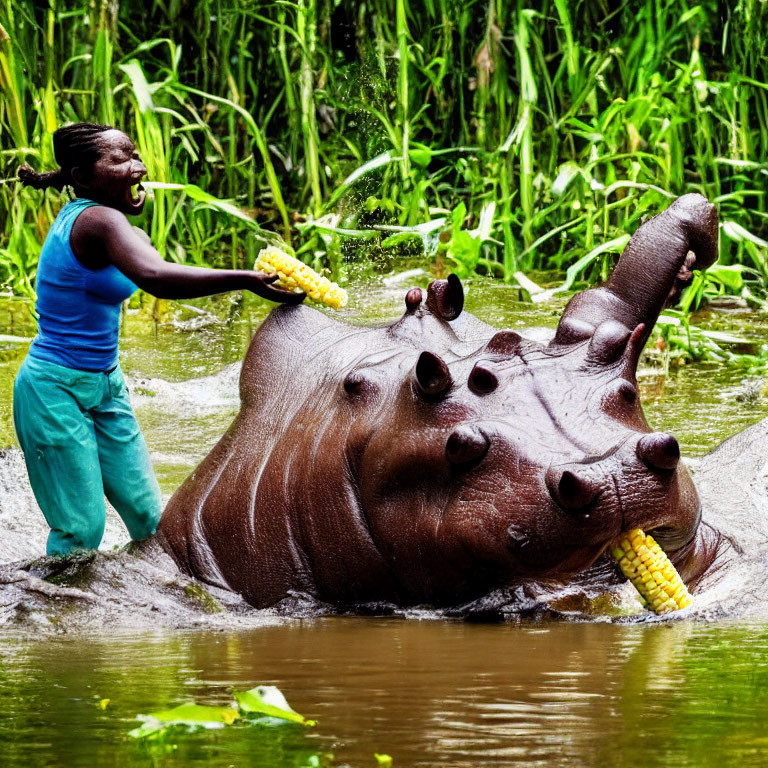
x: 103, y: 235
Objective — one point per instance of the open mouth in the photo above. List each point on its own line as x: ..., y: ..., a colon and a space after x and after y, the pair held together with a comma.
x: 136, y: 194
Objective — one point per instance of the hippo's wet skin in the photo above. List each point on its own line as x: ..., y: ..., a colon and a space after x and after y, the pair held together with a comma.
x: 437, y: 458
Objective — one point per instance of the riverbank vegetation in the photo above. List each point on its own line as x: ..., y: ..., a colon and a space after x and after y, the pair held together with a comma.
x: 497, y: 137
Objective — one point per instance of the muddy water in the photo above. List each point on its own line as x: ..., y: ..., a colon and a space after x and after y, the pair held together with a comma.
x: 429, y: 693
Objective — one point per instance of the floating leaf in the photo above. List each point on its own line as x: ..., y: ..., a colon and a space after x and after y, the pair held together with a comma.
x: 188, y: 717
x: 384, y: 760
x: 268, y: 701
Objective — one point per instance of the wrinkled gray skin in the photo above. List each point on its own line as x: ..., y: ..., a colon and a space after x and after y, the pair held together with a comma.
x: 435, y: 459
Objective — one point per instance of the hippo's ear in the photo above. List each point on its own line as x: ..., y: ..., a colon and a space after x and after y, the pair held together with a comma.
x: 634, y: 348
x: 431, y: 376
x: 413, y: 300
x: 612, y: 341
x: 445, y: 298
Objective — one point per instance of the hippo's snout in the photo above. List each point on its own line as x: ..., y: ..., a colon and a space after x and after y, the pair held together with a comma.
x: 638, y: 484
x: 659, y: 451
x: 574, y: 489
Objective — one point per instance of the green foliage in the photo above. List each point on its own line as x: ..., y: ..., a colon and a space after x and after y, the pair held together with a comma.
x: 716, y: 281
x: 556, y: 127
x: 263, y: 705
x: 266, y: 704
x: 683, y: 341
x: 185, y: 717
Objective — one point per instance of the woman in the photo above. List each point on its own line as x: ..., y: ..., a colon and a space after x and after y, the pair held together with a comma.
x: 71, y: 409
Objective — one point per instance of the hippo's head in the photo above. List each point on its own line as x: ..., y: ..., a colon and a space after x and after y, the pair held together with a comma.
x: 521, y: 460
x: 435, y: 458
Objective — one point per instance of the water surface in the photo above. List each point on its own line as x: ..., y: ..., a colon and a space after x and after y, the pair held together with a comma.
x: 429, y: 693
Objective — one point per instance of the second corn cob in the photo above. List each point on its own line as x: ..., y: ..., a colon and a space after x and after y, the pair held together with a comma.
x: 296, y: 275
x: 644, y: 563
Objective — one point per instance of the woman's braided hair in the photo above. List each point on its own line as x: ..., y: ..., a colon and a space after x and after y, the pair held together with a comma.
x: 75, y: 145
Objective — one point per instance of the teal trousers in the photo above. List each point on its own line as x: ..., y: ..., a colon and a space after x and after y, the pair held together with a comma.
x: 81, y: 442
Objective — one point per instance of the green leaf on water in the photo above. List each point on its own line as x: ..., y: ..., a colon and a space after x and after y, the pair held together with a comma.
x: 268, y: 701
x: 382, y: 759
x: 189, y: 717
x: 263, y: 705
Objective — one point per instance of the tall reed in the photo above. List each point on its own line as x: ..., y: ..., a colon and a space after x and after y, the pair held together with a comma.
x: 552, y: 127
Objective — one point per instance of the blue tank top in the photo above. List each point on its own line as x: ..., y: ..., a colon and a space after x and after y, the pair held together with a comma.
x: 78, y: 308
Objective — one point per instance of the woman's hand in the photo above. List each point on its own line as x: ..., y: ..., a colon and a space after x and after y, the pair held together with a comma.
x: 263, y: 287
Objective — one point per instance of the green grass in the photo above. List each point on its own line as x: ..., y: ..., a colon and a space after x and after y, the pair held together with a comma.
x: 539, y: 131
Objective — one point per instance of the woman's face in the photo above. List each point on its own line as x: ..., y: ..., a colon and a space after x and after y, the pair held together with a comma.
x: 115, y: 177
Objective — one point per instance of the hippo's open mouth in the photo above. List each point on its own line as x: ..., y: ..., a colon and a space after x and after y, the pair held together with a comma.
x: 675, y: 542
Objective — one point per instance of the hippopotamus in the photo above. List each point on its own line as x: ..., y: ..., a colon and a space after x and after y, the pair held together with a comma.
x: 437, y: 458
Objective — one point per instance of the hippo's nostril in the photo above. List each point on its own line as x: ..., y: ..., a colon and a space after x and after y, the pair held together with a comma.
x: 431, y: 376
x: 505, y: 343
x: 659, y: 450
x: 466, y: 444
x: 570, y: 490
x: 482, y: 380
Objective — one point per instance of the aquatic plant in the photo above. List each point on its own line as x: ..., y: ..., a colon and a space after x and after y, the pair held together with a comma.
x: 539, y: 133
x: 264, y: 705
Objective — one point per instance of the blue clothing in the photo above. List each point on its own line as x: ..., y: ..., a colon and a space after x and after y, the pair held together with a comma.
x: 81, y: 441
x: 78, y: 308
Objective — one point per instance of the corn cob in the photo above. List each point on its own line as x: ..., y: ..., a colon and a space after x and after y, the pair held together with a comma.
x: 644, y: 563
x: 297, y: 276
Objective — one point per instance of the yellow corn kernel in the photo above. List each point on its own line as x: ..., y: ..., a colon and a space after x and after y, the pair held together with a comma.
x: 296, y: 275
x: 644, y: 563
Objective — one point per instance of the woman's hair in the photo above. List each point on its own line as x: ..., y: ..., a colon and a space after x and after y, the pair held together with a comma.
x: 74, y: 146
